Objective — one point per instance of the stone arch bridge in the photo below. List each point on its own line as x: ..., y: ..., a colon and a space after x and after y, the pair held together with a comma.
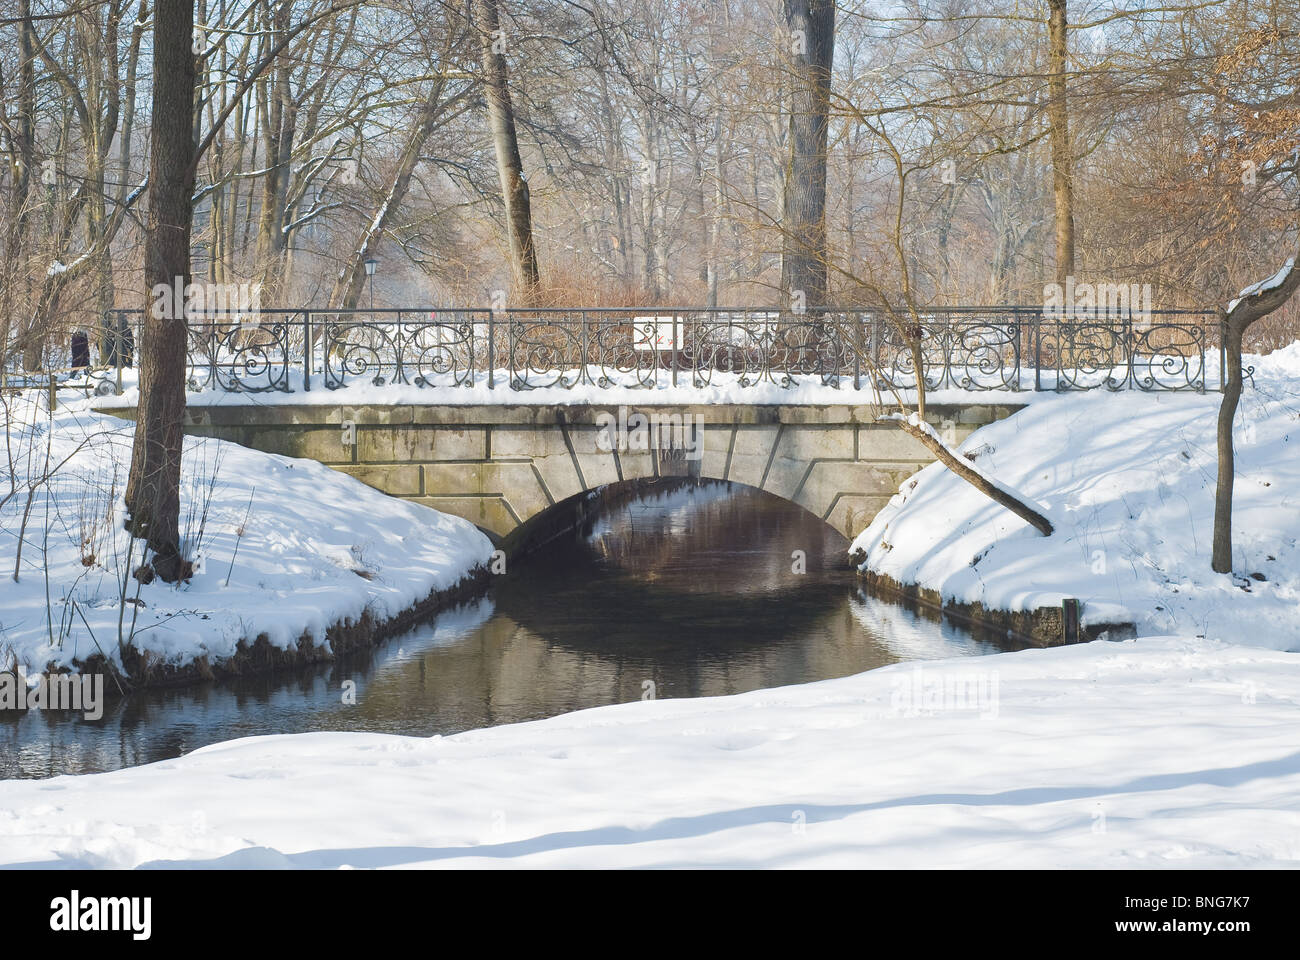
x: 500, y: 465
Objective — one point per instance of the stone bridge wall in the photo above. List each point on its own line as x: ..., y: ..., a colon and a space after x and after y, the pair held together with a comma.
x: 500, y: 465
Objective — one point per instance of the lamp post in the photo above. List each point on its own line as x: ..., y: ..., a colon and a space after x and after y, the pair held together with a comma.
x: 370, y: 278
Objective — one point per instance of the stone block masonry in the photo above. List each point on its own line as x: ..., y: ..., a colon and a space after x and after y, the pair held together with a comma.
x: 500, y: 465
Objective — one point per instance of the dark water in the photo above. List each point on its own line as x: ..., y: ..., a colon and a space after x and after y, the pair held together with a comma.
x: 670, y: 591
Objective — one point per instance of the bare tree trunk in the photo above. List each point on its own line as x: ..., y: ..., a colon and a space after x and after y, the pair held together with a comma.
x: 26, y: 105
x: 803, y: 261
x: 715, y: 221
x: 649, y: 188
x: 701, y: 218
x: 280, y: 131
x: 23, y: 160
x: 1246, y: 311
x: 1058, y: 118
x: 1221, y: 558
x: 615, y: 167
x: 153, y: 486
x: 352, y: 278
x: 501, y: 119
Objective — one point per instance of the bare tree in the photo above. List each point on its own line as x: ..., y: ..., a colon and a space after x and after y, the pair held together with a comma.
x: 812, y: 37
x: 153, y: 485
x: 20, y: 134
x: 501, y: 120
x: 1246, y: 311
x: 1256, y: 84
x: 1058, y: 113
x: 449, y: 96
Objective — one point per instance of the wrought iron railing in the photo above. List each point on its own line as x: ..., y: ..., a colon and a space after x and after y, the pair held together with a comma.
x: 968, y: 348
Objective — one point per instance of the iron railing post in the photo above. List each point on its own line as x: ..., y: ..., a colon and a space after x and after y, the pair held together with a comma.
x: 510, y: 348
x: 1201, y: 338
x: 116, y: 330
x: 1017, y: 353
x: 1131, y: 336
x: 582, y: 347
x: 819, y: 336
x: 1038, y: 352
x: 857, y: 354
x: 491, y: 350
x: 306, y: 350
x: 875, y: 348
x: 673, y: 346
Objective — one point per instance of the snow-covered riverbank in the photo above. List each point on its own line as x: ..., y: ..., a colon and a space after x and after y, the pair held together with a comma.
x: 1155, y: 752
x: 1128, y: 481
x: 1158, y: 752
x: 281, y: 547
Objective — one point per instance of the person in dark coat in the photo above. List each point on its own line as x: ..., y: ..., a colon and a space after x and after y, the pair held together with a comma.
x: 80, y: 351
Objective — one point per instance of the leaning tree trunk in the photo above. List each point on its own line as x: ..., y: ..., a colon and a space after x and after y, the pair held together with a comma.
x: 803, y: 259
x: 352, y: 278
x: 153, y: 486
x: 1025, y: 511
x: 501, y: 119
x: 1058, y: 119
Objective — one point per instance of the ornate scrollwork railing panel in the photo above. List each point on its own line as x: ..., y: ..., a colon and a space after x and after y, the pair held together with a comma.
x: 974, y: 349
x: 248, y: 354
x: 983, y: 353
x: 546, y: 350
x: 1091, y: 353
x: 1169, y: 356
x: 621, y: 352
x: 978, y: 352
x: 736, y: 345
x: 893, y: 360
x: 440, y: 348
x: 356, y: 348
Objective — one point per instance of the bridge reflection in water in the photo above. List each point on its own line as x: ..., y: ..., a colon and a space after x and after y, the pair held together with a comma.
x: 676, y: 588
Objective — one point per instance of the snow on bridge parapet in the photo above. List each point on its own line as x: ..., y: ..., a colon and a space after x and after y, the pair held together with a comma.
x: 718, y: 354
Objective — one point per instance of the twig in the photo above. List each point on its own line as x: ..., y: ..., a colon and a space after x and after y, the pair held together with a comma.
x: 108, y: 662
x: 240, y: 534
x: 121, y: 596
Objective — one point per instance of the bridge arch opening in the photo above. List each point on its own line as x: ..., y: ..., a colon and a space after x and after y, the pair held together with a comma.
x: 699, y: 508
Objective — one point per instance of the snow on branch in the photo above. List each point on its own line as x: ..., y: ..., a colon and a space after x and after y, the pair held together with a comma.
x: 1263, y: 286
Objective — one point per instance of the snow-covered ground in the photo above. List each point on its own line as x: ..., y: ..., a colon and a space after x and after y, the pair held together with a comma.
x: 280, y: 547
x: 1163, y: 751
x: 1157, y: 752
x: 1128, y: 481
